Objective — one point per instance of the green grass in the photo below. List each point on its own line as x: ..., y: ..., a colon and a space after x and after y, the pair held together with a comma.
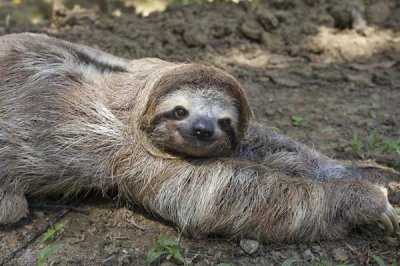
x: 288, y: 263
x: 365, y: 148
x: 381, y: 262
x: 357, y: 144
x: 369, y: 107
x: 53, y: 231
x: 48, y: 237
x: 391, y: 146
x: 165, y: 249
x: 47, y: 251
x: 298, y: 121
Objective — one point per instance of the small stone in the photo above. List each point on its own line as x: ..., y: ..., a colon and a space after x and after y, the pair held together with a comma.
x: 308, y: 256
x: 339, y: 254
x: 249, y: 246
x: 252, y: 30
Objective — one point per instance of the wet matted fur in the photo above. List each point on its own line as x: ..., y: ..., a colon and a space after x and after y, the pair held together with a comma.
x: 75, y: 119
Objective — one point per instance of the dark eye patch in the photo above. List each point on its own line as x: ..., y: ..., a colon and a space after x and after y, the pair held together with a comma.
x: 177, y: 113
x: 226, y: 126
x: 180, y: 112
x: 224, y: 123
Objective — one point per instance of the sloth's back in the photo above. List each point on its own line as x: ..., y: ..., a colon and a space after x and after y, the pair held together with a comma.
x: 36, y: 75
x: 51, y: 117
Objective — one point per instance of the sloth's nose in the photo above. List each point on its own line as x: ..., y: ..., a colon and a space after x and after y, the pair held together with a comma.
x: 203, y: 128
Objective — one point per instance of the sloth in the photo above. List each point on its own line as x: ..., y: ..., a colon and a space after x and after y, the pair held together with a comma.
x: 178, y: 139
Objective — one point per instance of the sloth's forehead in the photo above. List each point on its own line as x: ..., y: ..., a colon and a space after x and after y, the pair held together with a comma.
x: 205, y: 101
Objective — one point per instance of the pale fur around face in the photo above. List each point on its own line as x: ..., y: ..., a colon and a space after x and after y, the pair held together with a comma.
x: 74, y: 119
x: 209, y: 104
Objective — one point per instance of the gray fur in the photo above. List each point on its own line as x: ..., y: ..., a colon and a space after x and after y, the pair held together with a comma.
x: 68, y: 126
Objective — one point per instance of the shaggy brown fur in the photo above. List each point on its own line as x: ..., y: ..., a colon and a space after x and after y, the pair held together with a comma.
x: 76, y: 119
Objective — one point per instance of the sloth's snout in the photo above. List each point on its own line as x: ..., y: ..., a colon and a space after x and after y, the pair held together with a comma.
x: 203, y: 128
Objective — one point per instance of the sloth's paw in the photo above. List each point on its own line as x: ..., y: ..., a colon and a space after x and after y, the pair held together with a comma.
x: 13, y: 207
x: 390, y: 220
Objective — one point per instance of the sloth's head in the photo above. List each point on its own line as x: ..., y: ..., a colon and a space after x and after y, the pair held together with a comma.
x: 197, y: 111
x: 200, y: 123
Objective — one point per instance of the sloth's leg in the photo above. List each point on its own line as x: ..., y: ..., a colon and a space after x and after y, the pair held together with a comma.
x: 267, y: 147
x: 13, y: 207
x: 232, y: 198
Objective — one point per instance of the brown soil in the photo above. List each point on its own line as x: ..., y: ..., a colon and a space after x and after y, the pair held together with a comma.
x: 334, y: 63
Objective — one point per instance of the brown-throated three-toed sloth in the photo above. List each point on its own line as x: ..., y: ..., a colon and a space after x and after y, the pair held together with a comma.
x: 177, y: 139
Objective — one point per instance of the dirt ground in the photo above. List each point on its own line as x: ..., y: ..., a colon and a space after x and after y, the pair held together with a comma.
x: 334, y: 64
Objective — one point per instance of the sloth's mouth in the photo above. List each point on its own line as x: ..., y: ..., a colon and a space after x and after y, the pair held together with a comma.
x: 202, y: 144
x: 197, y: 140
x: 197, y: 151
x: 190, y: 138
x: 193, y: 147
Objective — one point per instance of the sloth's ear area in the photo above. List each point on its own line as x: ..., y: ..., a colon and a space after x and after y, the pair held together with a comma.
x: 245, y: 112
x: 147, y: 118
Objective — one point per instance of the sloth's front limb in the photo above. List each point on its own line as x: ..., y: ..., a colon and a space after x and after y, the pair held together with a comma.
x: 267, y: 147
x: 13, y: 206
x: 237, y: 199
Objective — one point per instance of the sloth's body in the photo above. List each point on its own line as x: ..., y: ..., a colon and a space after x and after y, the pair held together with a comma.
x: 177, y: 139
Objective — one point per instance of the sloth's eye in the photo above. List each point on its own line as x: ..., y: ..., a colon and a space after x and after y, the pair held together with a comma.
x: 224, y: 123
x: 180, y: 112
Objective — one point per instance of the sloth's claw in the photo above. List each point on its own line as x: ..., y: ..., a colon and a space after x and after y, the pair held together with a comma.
x: 386, y: 223
x: 390, y: 220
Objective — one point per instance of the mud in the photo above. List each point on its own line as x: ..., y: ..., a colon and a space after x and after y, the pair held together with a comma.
x: 336, y: 64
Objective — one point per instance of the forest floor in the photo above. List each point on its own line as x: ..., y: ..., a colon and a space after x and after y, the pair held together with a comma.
x: 326, y: 73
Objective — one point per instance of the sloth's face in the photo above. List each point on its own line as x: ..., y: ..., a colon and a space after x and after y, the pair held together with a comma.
x: 198, y: 123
